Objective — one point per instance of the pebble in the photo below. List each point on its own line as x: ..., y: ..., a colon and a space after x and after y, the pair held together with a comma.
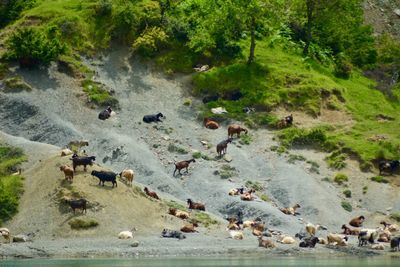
x: 135, y: 244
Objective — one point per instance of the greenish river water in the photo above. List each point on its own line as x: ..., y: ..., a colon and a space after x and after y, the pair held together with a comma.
x: 204, y: 262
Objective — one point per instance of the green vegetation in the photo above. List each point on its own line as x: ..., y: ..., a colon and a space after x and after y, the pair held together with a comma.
x: 340, y: 178
x: 78, y: 224
x: 379, y: 179
x: 293, y: 158
x: 254, y: 185
x: 264, y: 197
x: 365, y: 190
x: 347, y: 193
x: 336, y: 160
x: 203, y: 218
x: 97, y: 94
x: 176, y: 205
x: 15, y: 84
x: 177, y: 149
x: 314, y: 166
x: 11, y: 186
x: 347, y: 206
x: 395, y: 216
x: 245, y: 139
x: 226, y: 171
x: 187, y: 102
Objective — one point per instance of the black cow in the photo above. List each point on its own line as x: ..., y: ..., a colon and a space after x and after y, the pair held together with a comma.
x: 106, y: 176
x: 210, y: 98
x: 172, y: 234
x: 390, y: 165
x: 78, y: 204
x: 309, y: 242
x: 105, y: 114
x: 153, y: 118
x: 76, y: 161
x: 395, y: 243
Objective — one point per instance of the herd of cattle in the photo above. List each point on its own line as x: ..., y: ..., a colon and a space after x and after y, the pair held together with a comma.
x: 236, y: 225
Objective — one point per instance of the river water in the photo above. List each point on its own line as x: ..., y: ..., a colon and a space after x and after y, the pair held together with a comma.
x: 209, y: 262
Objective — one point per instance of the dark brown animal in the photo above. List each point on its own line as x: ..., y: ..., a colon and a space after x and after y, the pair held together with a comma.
x: 235, y: 129
x: 357, y: 222
x: 195, y: 205
x: 189, y: 228
x: 178, y: 213
x: 68, y: 172
x: 78, y: 204
x: 222, y: 146
x: 349, y: 231
x: 150, y: 193
x: 182, y: 165
x: 210, y: 124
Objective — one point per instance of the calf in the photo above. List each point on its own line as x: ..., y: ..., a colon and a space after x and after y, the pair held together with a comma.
x: 357, y: 222
x: 153, y: 118
x: 195, y: 206
x: 210, y: 124
x: 189, y: 228
x: 182, y: 165
x: 105, y: 114
x: 68, y: 172
x: 78, y: 204
x: 151, y: 193
x: 105, y: 176
x: 236, y: 129
x: 222, y: 146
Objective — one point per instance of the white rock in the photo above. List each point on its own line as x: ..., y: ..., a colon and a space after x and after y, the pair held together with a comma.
x: 397, y: 12
x: 219, y: 110
x: 227, y: 158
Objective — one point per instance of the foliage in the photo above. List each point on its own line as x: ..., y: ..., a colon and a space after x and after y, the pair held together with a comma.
x: 103, y: 8
x: 347, y: 193
x: 150, y: 41
x: 31, y: 46
x: 347, y: 206
x: 297, y: 136
x: 97, y: 94
x: 336, y: 160
x: 365, y: 190
x: 11, y: 186
x: 176, y: 205
x: 16, y: 83
x: 257, y: 186
x: 177, y: 149
x: 203, y: 218
x: 226, y: 171
x: 293, y: 158
x: 395, y: 216
x: 78, y: 224
x: 340, y: 178
x: 10, y: 10
x: 245, y: 139
x: 379, y: 179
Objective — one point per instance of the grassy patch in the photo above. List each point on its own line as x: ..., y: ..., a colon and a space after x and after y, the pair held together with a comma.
x: 341, y: 178
x: 226, y: 171
x: 203, y: 218
x: 177, y: 149
x: 395, y: 216
x: 379, y: 179
x: 78, y: 224
x: 317, y: 136
x: 347, y: 206
x: 245, y: 139
x: 264, y: 197
x: 3, y: 70
x: 16, y: 84
x: 293, y: 158
x: 11, y: 186
x: 187, y: 102
x: 314, y: 167
x: 176, y: 205
x: 254, y: 185
x: 347, y: 193
x: 336, y: 160
x: 97, y: 94
x: 365, y: 190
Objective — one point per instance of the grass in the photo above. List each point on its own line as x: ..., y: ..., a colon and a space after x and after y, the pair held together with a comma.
x: 293, y: 158
x: 187, y: 102
x: 347, y: 193
x: 314, y: 166
x: 379, y: 179
x: 226, y: 171
x: 79, y: 224
x: 245, y: 139
x: 176, y: 205
x: 97, y: 94
x: 177, y: 149
x: 347, y: 206
x: 203, y: 218
x: 395, y: 216
x: 340, y: 178
x: 11, y: 186
x: 336, y: 160
x: 16, y: 84
x: 264, y: 197
x: 365, y: 189
x: 254, y: 185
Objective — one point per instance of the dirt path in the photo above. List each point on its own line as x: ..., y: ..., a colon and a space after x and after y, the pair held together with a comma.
x: 51, y: 113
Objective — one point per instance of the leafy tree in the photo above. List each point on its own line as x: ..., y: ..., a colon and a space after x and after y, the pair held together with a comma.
x: 32, y: 46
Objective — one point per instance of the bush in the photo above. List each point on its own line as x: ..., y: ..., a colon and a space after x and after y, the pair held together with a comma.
x: 379, y: 179
x: 196, y: 155
x: 347, y: 206
x: 173, y: 148
x: 340, y: 178
x: 293, y: 158
x: 150, y: 41
x: 32, y: 47
x: 343, y: 67
x: 365, y: 190
x: 347, y: 193
x: 78, y: 224
x: 336, y: 160
x: 203, y: 218
x: 395, y: 216
x: 98, y: 95
x: 103, y: 8
x: 245, y: 139
x: 314, y: 136
x: 254, y: 185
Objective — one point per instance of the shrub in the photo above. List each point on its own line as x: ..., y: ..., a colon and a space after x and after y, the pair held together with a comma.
x: 314, y: 136
x: 196, y: 155
x: 245, y: 139
x: 226, y: 171
x: 150, y: 41
x: 343, y: 67
x: 78, y: 224
x: 176, y: 205
x: 347, y: 193
x: 364, y: 189
x: 336, y: 160
x: 32, y: 46
x: 187, y: 102
x: 177, y: 149
x: 293, y: 158
x: 379, y: 179
x: 347, y: 206
x: 340, y: 178
x: 264, y: 197
x: 254, y: 185
x: 103, y: 8
x: 98, y: 95
x: 203, y: 218
x: 16, y: 83
x: 395, y: 216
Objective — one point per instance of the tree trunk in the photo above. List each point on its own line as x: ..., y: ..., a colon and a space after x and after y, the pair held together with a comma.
x: 310, y: 8
x: 252, y: 41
